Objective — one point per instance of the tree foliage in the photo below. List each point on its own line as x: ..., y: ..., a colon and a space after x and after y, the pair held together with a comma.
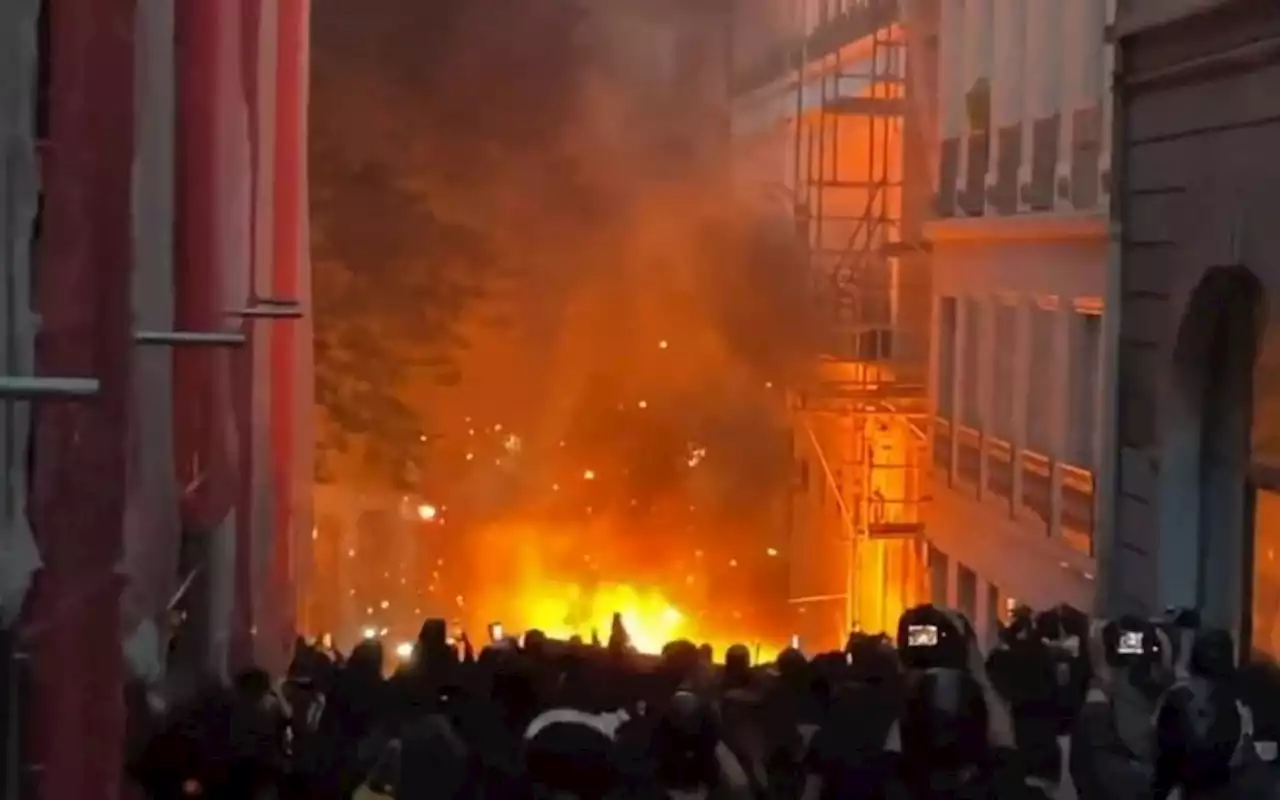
x: 417, y: 108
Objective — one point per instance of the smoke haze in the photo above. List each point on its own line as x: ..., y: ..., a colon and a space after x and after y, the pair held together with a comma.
x: 590, y: 147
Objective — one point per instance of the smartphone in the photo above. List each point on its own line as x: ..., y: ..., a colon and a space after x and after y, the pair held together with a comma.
x: 495, y: 632
x: 795, y: 641
x: 922, y: 636
x: 1131, y: 643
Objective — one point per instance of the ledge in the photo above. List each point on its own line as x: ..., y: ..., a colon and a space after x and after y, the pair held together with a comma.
x: 1137, y: 16
x: 1044, y: 226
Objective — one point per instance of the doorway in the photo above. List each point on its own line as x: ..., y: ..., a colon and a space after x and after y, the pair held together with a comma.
x: 1210, y: 533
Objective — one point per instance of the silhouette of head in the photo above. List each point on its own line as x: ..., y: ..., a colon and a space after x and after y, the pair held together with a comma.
x: 944, y: 725
x: 1198, y: 729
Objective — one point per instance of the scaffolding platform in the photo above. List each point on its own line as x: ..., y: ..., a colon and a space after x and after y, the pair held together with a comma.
x: 859, y: 21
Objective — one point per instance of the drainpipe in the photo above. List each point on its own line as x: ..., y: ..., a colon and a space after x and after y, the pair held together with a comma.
x: 1106, y: 502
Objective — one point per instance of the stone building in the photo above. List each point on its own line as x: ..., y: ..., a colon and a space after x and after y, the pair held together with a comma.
x: 1197, y: 507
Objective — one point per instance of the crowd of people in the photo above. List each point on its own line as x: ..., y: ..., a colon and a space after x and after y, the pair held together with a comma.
x: 1062, y: 707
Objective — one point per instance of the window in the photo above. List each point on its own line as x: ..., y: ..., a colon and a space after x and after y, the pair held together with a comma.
x: 946, y: 357
x: 1002, y: 371
x: 1086, y: 344
x: 937, y: 576
x: 1039, y: 386
x: 967, y: 593
x: 970, y: 373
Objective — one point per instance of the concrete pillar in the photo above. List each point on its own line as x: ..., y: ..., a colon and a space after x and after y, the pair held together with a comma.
x: 1021, y: 381
x: 982, y: 612
x: 957, y: 350
x: 951, y: 85
x: 935, y: 356
x: 1102, y: 388
x: 953, y: 580
x: 1108, y: 99
x: 977, y: 62
x: 1042, y: 66
x: 1008, y: 70
x: 978, y: 24
x: 1081, y: 84
x: 986, y: 374
x: 1059, y: 410
x: 1084, y: 81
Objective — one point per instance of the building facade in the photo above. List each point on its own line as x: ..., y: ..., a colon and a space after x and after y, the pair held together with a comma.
x: 1197, y: 509
x: 153, y: 250
x: 1020, y: 254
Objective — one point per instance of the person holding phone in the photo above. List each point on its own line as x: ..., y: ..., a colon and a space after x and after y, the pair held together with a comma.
x: 1111, y: 742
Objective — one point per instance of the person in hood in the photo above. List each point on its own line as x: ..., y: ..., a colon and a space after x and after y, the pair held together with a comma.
x: 569, y: 754
x: 1204, y: 748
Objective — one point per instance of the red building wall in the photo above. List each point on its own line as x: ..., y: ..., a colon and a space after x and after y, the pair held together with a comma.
x: 238, y: 442
x: 82, y: 282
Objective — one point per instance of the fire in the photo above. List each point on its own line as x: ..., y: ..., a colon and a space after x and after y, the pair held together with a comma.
x: 544, y: 580
x: 564, y: 610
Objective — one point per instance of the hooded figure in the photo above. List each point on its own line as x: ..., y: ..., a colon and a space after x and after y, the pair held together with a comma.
x: 946, y: 752
x: 1204, y: 745
x: 570, y: 754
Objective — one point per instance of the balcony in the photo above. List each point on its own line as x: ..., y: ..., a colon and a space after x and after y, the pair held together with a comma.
x: 1032, y: 504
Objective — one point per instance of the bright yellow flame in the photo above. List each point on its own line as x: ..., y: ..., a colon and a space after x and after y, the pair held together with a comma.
x: 535, y: 586
x: 662, y: 345
x: 404, y: 650
x: 771, y: 552
x: 589, y: 475
x: 564, y: 610
x: 643, y: 404
x: 427, y: 512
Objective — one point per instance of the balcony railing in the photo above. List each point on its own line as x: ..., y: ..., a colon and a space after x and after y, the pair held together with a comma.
x: 942, y: 448
x: 1000, y: 469
x: 1077, y: 512
x: 1078, y: 515
x: 1036, y: 495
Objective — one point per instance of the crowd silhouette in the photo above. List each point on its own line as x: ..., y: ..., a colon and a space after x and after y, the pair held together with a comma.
x: 1063, y: 706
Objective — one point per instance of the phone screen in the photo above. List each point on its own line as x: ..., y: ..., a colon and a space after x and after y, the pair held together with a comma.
x: 495, y: 631
x: 1131, y: 643
x: 922, y: 636
x: 795, y: 641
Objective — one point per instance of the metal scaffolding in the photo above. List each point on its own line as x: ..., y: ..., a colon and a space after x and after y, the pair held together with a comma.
x: 861, y: 412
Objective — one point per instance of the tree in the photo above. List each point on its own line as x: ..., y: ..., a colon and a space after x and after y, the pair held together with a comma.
x: 416, y: 107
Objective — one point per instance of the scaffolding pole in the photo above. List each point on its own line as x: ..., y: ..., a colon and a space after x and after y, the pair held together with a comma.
x: 848, y: 213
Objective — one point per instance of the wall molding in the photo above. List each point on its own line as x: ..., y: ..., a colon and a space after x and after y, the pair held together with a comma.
x: 1046, y: 226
